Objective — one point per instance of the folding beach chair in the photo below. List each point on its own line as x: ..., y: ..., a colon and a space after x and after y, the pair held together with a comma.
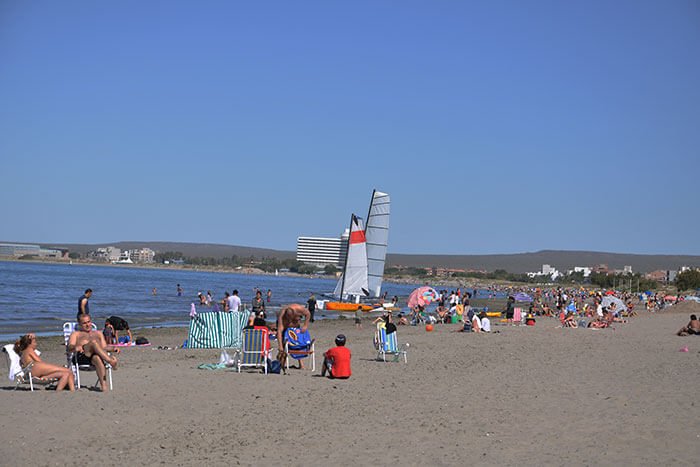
x: 255, y: 350
x: 72, y: 358
x: 387, y: 344
x: 22, y: 375
x: 299, y: 345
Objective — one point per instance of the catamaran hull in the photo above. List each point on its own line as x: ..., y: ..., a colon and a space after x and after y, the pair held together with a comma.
x: 347, y: 307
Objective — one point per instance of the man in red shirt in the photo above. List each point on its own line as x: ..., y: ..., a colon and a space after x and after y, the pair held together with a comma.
x: 337, y: 360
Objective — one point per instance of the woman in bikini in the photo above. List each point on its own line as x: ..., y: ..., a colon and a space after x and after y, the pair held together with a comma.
x: 26, y: 348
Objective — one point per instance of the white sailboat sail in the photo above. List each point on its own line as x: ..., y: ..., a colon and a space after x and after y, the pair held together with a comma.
x: 353, y: 281
x: 377, y: 235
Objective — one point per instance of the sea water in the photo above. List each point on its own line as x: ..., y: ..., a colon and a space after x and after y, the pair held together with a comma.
x: 40, y: 297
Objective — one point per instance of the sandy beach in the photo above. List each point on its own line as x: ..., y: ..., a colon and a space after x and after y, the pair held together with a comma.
x: 538, y: 395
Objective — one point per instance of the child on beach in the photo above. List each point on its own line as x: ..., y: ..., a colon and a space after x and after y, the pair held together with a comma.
x: 336, y: 361
x: 358, y: 317
x: 109, y: 333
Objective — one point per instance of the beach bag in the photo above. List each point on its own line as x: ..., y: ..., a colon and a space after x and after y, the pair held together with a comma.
x: 141, y: 341
x: 274, y: 366
x: 225, y: 359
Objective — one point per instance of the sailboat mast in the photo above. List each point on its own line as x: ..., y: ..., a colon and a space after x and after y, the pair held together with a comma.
x: 345, y: 265
x: 369, y: 211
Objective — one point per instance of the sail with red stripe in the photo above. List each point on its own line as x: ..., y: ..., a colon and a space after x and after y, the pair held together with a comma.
x: 353, y: 281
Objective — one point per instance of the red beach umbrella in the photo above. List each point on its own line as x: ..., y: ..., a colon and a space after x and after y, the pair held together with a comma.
x: 422, y: 296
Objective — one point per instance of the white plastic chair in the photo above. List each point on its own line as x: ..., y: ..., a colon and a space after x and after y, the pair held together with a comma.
x: 72, y: 358
x: 22, y: 375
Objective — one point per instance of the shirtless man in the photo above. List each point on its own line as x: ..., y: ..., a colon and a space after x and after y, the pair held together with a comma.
x: 290, y: 317
x: 91, y: 348
x: 693, y: 327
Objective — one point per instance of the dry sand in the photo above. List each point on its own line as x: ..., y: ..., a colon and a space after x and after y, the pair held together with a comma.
x: 524, y: 396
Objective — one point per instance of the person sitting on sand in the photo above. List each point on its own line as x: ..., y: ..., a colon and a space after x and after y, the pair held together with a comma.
x: 476, y: 323
x: 25, y: 347
x: 570, y: 321
x: 443, y: 314
x: 91, y: 348
x: 693, y: 327
x: 485, y: 322
x: 416, y: 315
x: 402, y: 320
x: 120, y: 324
x: 336, y: 361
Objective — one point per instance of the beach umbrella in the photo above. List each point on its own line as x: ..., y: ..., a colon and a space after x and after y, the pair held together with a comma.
x: 422, y: 296
x: 619, y: 304
x: 522, y: 297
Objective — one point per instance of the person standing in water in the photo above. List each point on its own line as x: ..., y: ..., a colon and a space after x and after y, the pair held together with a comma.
x: 84, y: 304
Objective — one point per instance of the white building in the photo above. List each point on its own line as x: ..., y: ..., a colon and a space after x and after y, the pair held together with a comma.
x: 584, y: 269
x: 547, y: 271
x: 142, y: 255
x: 322, y: 251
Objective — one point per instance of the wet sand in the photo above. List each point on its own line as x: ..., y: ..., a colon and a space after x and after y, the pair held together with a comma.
x: 538, y: 395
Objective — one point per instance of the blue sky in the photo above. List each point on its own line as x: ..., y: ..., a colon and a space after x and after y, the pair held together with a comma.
x: 497, y: 127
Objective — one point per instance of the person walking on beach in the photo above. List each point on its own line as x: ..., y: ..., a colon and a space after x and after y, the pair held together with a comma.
x: 84, y: 304
x: 358, y: 317
x: 311, y: 304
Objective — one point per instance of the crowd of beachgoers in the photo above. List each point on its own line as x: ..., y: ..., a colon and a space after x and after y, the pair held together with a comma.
x: 573, y: 307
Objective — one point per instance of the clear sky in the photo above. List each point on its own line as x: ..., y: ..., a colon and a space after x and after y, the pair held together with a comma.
x: 496, y: 126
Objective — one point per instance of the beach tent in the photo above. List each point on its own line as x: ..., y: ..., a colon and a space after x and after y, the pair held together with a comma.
x: 620, y: 306
x: 522, y: 297
x: 217, y: 330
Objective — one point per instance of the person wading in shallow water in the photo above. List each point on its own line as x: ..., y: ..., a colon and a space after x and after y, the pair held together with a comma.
x: 84, y: 304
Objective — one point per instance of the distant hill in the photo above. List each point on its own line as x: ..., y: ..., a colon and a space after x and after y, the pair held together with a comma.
x: 562, y: 260
x: 515, y: 263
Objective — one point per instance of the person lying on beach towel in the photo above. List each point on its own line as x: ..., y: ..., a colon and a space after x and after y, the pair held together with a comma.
x: 693, y: 327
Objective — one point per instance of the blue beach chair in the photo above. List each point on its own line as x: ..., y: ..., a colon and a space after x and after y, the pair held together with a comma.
x: 299, y: 345
x: 255, y: 350
x: 387, y: 344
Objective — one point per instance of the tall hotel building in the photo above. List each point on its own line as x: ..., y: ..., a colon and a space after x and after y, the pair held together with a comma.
x: 323, y: 251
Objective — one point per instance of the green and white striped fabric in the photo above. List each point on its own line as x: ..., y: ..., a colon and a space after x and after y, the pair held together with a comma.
x: 204, y: 331
x: 217, y: 330
x: 232, y: 325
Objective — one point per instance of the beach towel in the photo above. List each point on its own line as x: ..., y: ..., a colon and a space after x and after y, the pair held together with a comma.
x: 517, y: 314
x: 15, y: 366
x: 212, y: 366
